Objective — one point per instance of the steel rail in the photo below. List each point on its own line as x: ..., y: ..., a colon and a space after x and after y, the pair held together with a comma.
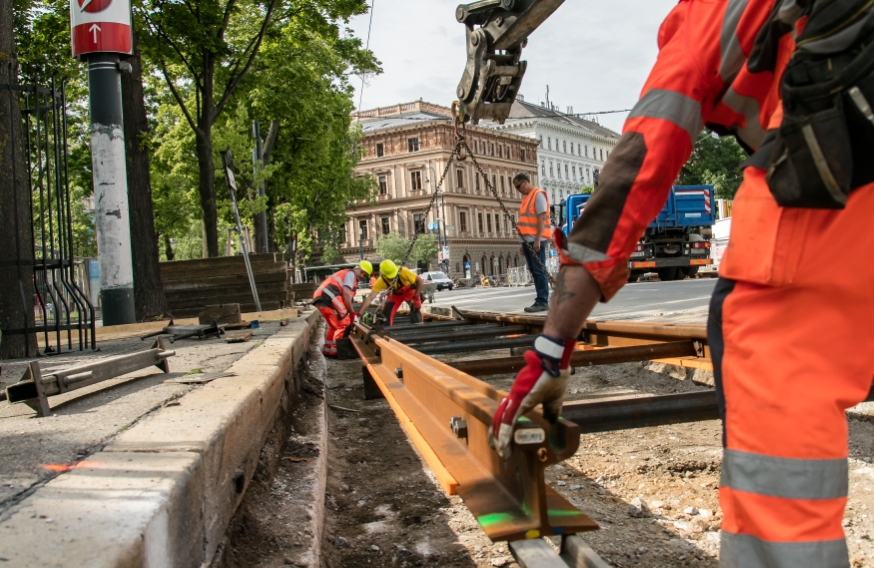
x: 447, y: 414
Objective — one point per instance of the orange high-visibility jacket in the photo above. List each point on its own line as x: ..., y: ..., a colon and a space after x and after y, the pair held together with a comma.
x: 719, y: 64
x: 330, y: 293
x: 528, y: 216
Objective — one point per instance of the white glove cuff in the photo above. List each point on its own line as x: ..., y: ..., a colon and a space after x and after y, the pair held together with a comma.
x: 549, y: 348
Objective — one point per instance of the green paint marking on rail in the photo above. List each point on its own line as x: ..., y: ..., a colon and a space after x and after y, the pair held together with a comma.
x: 492, y: 519
x: 563, y: 513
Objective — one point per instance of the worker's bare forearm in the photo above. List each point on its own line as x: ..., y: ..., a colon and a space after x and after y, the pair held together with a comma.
x: 576, y: 295
x: 347, y: 299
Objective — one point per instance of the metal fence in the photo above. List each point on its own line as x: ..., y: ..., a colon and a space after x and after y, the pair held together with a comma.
x: 60, y: 305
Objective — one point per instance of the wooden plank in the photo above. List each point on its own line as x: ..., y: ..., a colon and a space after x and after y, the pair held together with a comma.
x: 219, y: 293
x: 212, y: 280
x: 235, y: 269
x: 220, y: 261
x: 228, y: 299
x: 220, y: 314
x: 245, y: 308
x: 240, y: 337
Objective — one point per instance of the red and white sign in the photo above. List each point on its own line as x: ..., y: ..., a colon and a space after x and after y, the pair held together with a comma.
x: 100, y: 26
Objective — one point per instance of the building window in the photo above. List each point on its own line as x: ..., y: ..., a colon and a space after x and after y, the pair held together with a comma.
x: 476, y: 181
x: 574, y: 171
x: 553, y: 197
x: 548, y: 143
x: 500, y: 151
x: 489, y: 222
x: 565, y: 146
x: 602, y: 154
x: 413, y: 144
x: 462, y: 221
x: 541, y: 141
x: 419, y: 223
x: 497, y: 223
x: 508, y: 152
x: 551, y: 170
x: 383, y: 185
x: 559, y: 171
x: 474, y: 147
x: 587, y: 151
x: 380, y: 150
x: 506, y: 224
x: 543, y: 169
x: 386, y: 226
x: 362, y: 229
x: 459, y: 177
x: 521, y: 155
x: 494, y: 182
x: 416, y: 181
x: 565, y: 172
x: 491, y: 149
x: 479, y: 219
x: 502, y: 185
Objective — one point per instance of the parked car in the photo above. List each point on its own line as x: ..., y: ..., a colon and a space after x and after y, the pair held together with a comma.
x: 440, y: 279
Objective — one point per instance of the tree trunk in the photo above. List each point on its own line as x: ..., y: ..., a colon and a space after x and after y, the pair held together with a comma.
x: 148, y: 291
x: 206, y: 164
x: 16, y: 312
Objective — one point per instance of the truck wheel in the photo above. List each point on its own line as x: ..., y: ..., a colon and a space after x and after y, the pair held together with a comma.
x: 689, y: 270
x: 667, y: 274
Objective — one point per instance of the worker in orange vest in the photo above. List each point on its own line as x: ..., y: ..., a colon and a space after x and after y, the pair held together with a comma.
x: 405, y: 286
x: 334, y: 300
x: 535, y: 229
x: 790, y: 323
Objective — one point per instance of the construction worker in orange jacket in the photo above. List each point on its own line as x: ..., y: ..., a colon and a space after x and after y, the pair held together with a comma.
x: 789, y: 330
x: 334, y: 300
x: 534, y: 229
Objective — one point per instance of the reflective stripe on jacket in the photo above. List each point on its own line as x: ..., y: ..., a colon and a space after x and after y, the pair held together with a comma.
x: 719, y: 64
x: 528, y: 216
x: 330, y: 293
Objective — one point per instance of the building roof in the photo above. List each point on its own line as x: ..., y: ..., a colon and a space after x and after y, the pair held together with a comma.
x: 522, y: 110
x: 399, y: 120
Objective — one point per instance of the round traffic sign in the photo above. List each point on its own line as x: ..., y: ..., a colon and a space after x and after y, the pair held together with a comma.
x: 93, y: 6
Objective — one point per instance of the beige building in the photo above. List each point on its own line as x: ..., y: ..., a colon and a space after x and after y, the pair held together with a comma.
x: 407, y: 148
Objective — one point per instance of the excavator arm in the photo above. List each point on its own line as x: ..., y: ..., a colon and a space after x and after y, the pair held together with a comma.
x: 497, y: 31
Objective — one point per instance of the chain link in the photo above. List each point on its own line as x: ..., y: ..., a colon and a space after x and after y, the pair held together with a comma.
x: 458, y: 144
x: 494, y: 191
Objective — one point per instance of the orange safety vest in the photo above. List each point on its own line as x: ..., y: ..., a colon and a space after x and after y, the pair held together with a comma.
x: 330, y: 293
x: 528, y: 216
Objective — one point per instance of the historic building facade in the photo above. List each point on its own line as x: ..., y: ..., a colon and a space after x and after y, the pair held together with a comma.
x: 570, y: 150
x: 407, y: 149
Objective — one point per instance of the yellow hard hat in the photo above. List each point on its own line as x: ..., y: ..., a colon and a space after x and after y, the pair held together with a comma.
x: 366, y: 267
x: 388, y: 269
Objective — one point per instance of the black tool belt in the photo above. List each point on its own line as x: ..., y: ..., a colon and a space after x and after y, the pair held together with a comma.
x: 824, y: 148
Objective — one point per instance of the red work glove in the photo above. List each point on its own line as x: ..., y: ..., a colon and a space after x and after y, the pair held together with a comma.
x: 535, y: 384
x: 417, y: 302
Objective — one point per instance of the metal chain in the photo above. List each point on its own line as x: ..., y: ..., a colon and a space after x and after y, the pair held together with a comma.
x: 494, y: 191
x: 433, y: 199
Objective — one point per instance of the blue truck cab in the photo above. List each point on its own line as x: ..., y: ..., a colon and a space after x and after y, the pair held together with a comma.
x: 676, y: 243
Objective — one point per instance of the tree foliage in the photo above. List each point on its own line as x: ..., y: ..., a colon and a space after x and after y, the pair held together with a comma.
x: 715, y: 161
x: 394, y: 247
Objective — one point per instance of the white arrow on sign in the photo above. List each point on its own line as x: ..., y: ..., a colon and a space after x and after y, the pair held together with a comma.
x: 95, y: 28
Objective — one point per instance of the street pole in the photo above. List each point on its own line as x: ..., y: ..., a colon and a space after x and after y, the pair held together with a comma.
x: 445, y: 242
x: 110, y: 190
x: 100, y: 34
x: 257, y: 163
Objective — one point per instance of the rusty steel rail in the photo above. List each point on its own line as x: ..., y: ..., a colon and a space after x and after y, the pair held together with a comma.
x: 447, y: 414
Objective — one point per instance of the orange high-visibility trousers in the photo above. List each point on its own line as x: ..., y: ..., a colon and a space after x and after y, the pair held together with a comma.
x: 336, y: 329
x: 793, y: 347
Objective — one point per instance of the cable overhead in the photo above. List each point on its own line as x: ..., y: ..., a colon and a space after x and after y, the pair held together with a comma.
x: 367, y: 48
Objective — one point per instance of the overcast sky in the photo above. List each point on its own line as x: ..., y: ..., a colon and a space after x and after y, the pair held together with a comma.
x: 594, y: 56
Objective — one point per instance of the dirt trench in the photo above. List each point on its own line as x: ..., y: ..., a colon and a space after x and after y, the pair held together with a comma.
x: 384, y: 509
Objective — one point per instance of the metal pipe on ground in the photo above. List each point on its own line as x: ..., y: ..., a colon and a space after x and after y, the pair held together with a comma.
x: 628, y: 413
x: 484, y: 345
x: 608, y: 356
x: 469, y: 334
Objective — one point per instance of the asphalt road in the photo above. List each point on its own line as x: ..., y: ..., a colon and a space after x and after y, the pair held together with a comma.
x: 685, y: 300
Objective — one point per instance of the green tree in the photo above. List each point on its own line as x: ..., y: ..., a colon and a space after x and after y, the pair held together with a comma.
x: 206, y: 49
x: 715, y: 161
x: 587, y: 190
x: 394, y: 247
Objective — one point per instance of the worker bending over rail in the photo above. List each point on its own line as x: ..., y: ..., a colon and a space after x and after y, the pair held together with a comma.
x: 801, y: 217
x: 405, y: 286
x: 334, y: 299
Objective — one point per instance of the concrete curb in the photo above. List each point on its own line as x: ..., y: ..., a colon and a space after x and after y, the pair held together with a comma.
x: 162, y: 493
